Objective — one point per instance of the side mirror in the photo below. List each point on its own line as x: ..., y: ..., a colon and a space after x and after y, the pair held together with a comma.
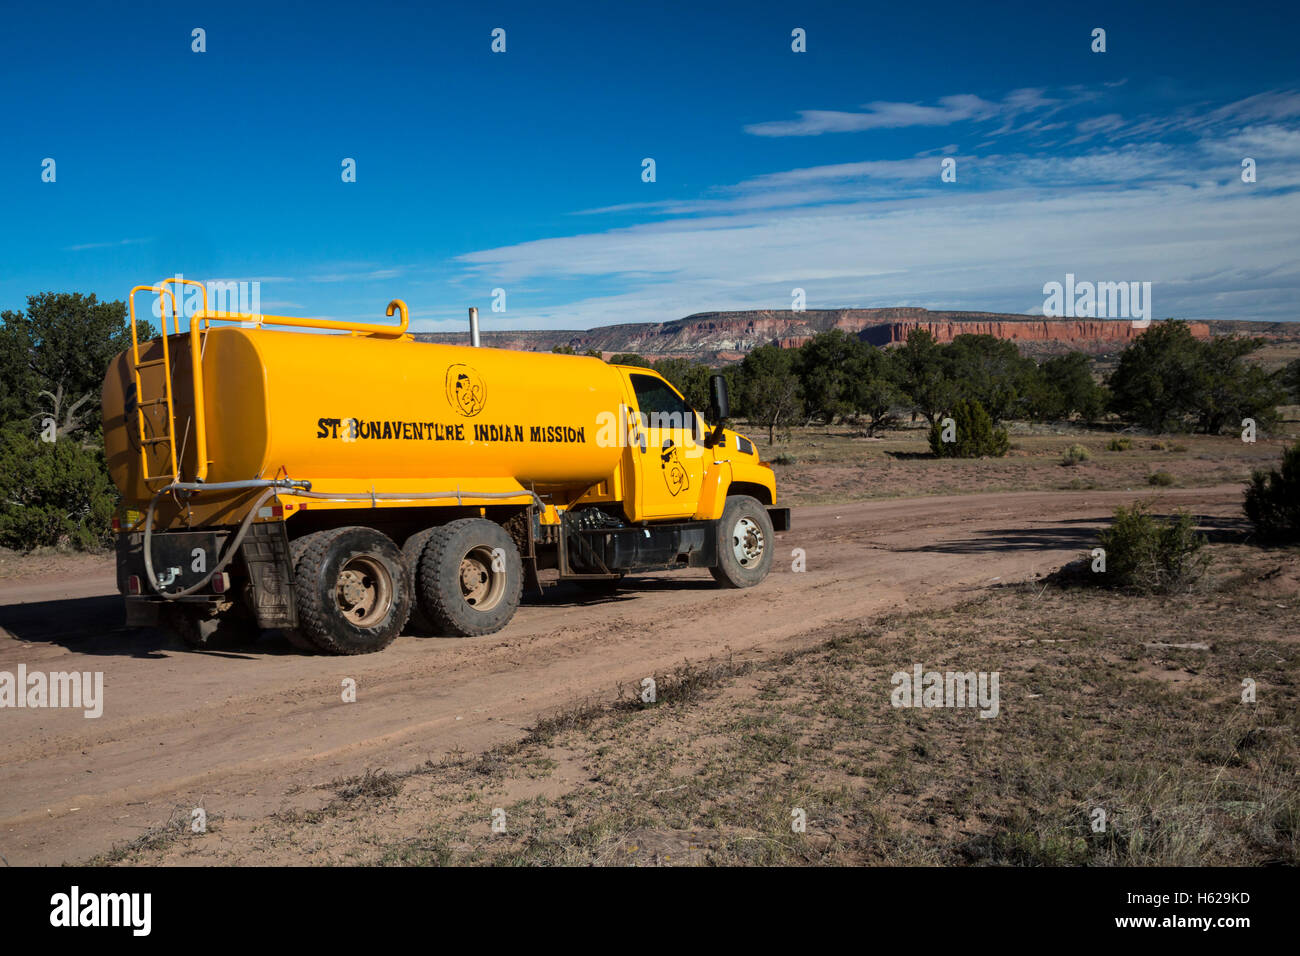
x: 719, y: 409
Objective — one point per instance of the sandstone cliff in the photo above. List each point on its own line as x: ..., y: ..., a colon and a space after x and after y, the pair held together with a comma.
x: 727, y: 336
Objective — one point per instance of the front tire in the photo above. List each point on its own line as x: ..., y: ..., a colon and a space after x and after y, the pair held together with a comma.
x: 470, y: 578
x: 746, y: 543
x: 353, y: 590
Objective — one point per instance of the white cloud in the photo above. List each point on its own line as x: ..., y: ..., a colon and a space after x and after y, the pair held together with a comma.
x: 977, y: 252
x: 963, y: 107
x: 887, y: 232
x: 105, y: 245
x: 356, y: 273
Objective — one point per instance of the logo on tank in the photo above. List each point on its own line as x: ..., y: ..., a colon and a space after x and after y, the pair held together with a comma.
x: 466, y: 390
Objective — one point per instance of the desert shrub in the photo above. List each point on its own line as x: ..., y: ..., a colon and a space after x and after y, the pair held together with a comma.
x: 1120, y: 444
x: 785, y: 458
x: 1273, y: 499
x: 1152, y: 555
x: 1160, y: 479
x: 53, y: 493
x: 973, y: 434
x: 1075, y: 454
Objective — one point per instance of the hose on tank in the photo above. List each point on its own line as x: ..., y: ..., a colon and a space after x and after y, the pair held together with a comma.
x: 217, y: 568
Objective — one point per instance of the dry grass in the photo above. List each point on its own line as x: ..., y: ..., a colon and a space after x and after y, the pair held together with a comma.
x: 817, y: 465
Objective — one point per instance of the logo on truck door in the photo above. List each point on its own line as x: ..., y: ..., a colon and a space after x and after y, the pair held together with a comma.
x: 466, y: 390
x: 675, y: 474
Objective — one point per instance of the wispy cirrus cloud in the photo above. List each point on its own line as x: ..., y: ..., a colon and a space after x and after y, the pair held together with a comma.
x: 1274, y: 106
x: 355, y: 274
x: 795, y: 187
x: 884, y: 114
x: 112, y: 244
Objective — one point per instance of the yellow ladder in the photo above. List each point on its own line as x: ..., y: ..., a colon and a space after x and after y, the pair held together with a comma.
x: 168, y: 436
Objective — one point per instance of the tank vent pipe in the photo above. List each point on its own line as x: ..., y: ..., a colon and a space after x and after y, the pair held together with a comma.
x: 473, y: 327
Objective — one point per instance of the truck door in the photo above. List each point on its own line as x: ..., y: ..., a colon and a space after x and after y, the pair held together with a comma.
x: 667, y: 457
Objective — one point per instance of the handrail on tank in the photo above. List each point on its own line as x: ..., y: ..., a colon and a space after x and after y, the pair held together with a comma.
x: 179, y: 281
x: 364, y: 328
x: 157, y: 290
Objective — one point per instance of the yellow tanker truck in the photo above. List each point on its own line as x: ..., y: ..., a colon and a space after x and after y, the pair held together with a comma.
x: 341, y: 482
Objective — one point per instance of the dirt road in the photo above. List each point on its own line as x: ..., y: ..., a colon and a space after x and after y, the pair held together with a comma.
x: 240, y: 732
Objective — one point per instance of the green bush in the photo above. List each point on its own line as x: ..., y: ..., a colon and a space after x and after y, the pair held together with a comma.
x: 1161, y: 479
x: 974, y: 435
x: 1273, y: 499
x: 1167, y: 380
x: 1075, y: 454
x: 1152, y: 555
x: 1120, y: 444
x: 53, y: 493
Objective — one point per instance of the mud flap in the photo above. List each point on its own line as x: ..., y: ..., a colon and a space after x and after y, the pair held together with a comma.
x: 142, y: 612
x: 266, y: 555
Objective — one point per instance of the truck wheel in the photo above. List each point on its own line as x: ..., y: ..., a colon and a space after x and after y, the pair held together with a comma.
x: 294, y: 635
x: 352, y: 589
x: 470, y: 578
x: 745, y: 543
x: 203, y: 628
x: 413, y: 550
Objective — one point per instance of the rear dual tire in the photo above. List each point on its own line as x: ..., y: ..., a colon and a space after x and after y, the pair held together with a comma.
x: 353, y: 591
x: 412, y: 551
x: 469, y: 578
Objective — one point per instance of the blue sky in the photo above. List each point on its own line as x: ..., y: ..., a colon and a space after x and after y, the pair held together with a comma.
x: 774, y: 169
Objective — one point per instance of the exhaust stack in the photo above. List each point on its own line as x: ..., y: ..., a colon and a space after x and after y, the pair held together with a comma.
x: 473, y: 327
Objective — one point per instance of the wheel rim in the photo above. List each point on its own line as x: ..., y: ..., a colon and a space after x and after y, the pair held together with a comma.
x: 747, y: 542
x: 481, y: 586
x: 364, y: 591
